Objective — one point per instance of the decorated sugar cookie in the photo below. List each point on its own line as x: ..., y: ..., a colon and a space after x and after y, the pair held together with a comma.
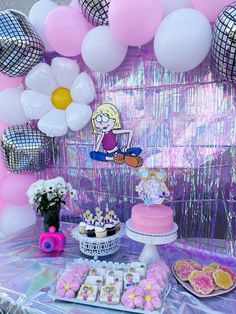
x: 106, y: 125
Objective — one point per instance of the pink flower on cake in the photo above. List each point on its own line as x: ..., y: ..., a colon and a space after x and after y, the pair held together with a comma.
x: 152, y: 301
x: 150, y: 284
x: 133, y: 297
x: 67, y: 286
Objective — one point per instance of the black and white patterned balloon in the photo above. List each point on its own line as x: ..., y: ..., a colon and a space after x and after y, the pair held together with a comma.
x: 20, y: 45
x: 95, y: 11
x: 224, y: 44
x: 26, y: 149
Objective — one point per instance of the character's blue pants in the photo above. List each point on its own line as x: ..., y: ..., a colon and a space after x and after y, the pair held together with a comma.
x: 102, y: 156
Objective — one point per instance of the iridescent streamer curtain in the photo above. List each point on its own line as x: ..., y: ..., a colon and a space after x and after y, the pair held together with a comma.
x: 185, y: 123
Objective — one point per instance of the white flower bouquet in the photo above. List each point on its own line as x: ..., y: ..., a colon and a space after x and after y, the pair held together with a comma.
x: 49, y: 195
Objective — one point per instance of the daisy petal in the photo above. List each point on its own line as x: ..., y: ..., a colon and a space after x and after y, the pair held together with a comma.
x: 83, y: 90
x: 53, y: 123
x: 77, y: 116
x: 40, y: 79
x: 35, y: 104
x: 65, y: 71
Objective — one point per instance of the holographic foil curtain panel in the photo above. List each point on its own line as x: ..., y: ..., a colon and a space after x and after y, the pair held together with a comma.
x: 185, y: 123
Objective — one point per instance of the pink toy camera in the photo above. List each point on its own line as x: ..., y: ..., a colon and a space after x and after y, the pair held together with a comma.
x: 52, y: 241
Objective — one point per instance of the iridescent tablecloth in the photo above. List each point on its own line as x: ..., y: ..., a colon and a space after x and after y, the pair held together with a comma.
x: 27, y: 274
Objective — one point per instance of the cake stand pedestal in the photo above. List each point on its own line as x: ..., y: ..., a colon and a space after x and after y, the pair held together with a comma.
x: 150, y: 252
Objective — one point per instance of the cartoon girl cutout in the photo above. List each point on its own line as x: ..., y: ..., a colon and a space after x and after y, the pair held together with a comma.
x: 106, y: 125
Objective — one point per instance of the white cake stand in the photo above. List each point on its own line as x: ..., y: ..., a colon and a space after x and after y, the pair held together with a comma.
x: 150, y: 252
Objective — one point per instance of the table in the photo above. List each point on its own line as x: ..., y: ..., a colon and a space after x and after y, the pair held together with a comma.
x: 27, y: 274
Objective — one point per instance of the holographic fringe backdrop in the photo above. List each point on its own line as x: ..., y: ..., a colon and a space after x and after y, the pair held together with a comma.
x: 185, y: 123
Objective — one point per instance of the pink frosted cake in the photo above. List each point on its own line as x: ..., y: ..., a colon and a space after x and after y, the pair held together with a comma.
x: 153, y: 219
x: 151, y: 216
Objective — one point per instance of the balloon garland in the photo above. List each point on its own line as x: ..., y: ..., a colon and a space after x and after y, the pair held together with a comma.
x: 59, y: 95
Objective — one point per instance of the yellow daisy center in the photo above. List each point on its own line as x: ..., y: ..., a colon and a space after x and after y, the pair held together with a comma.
x: 66, y: 286
x: 132, y: 296
x: 61, y: 98
x: 148, y: 287
x: 148, y: 298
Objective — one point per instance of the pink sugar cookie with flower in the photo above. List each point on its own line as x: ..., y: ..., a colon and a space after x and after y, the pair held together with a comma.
x: 67, y: 286
x: 152, y: 301
x: 150, y: 284
x: 133, y: 297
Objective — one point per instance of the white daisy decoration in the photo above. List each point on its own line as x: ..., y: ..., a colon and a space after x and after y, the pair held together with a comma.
x: 58, y: 96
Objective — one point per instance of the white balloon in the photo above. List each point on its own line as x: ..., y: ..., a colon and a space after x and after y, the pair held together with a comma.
x: 78, y: 116
x: 37, y: 16
x: 35, y: 104
x: 101, y: 51
x: 11, y: 110
x: 16, y: 218
x: 173, y: 5
x: 183, y: 40
x: 83, y: 90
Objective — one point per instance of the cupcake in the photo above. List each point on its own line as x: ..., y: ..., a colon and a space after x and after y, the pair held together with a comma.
x: 110, y: 227
x: 90, y: 228
x: 100, y: 230
x: 116, y: 222
x: 82, y: 227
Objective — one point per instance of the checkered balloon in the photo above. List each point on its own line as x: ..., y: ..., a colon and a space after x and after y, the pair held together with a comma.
x: 224, y: 44
x: 20, y: 46
x: 95, y: 11
x: 26, y: 149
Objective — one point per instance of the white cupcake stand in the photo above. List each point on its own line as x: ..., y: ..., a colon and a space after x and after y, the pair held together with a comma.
x: 98, y: 247
x: 150, y: 252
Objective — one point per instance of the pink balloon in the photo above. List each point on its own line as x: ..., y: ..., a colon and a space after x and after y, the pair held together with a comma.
x: 134, y: 22
x: 3, y: 126
x: 14, y: 186
x: 7, y: 81
x: 65, y: 28
x: 211, y: 8
x: 3, y: 169
x: 2, y: 204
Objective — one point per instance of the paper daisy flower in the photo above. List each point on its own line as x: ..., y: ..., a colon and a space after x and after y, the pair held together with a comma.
x: 58, y: 96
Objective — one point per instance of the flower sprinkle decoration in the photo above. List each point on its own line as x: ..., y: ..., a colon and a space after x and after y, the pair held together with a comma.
x: 49, y: 195
x: 58, y: 95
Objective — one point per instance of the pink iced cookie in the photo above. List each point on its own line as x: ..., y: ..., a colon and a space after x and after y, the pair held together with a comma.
x: 152, y: 301
x: 150, y: 284
x: 202, y: 283
x: 160, y: 265
x: 157, y: 277
x: 133, y: 297
x: 67, y: 286
x: 184, y: 270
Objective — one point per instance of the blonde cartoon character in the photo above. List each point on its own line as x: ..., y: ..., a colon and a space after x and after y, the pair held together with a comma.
x: 106, y: 125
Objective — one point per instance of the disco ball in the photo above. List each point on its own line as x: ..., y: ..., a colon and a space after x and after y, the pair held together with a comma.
x: 26, y: 149
x: 224, y: 44
x: 20, y: 46
x: 95, y: 11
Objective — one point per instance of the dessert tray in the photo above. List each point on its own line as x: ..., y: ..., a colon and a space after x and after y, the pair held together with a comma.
x: 119, y: 307
x: 187, y: 286
x: 97, y: 247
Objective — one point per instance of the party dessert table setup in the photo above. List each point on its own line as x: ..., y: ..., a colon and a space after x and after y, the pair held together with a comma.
x: 117, y: 157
